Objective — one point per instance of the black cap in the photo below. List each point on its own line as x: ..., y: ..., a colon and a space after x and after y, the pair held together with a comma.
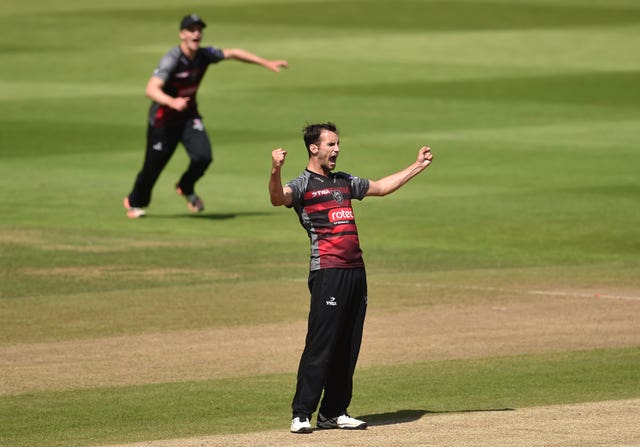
x: 190, y: 20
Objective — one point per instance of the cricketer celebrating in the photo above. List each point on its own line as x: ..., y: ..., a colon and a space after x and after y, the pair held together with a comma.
x: 337, y: 279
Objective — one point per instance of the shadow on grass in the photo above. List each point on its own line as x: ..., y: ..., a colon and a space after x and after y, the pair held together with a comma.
x: 205, y: 215
x: 404, y: 416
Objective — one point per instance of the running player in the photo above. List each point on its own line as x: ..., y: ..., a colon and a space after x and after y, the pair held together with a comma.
x: 174, y: 115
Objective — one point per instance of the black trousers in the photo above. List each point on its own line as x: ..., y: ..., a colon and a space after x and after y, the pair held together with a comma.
x: 161, y: 144
x: 336, y: 320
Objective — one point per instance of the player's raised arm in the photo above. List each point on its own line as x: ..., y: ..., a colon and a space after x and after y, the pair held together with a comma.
x: 391, y: 183
x: 246, y: 56
x: 279, y: 195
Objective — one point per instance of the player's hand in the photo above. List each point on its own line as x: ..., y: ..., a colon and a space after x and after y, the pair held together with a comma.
x: 425, y: 156
x: 277, y: 65
x: 180, y: 103
x: 277, y: 157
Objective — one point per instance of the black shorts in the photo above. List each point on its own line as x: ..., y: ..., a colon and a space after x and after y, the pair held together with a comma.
x: 192, y: 134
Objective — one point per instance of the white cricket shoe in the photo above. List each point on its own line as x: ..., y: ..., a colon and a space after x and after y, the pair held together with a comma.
x: 132, y: 211
x: 300, y: 425
x: 343, y: 421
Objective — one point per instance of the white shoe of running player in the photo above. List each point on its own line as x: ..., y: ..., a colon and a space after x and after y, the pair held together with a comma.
x: 300, y: 425
x: 132, y: 211
x: 344, y: 421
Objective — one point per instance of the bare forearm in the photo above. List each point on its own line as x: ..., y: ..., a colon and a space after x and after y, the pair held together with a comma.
x: 158, y: 96
x: 276, y: 191
x: 155, y: 93
x: 393, y: 182
x: 244, y: 56
x: 389, y: 184
x: 279, y: 195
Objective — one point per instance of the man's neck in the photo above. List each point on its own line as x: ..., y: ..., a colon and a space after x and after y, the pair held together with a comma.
x: 187, y: 52
x: 318, y: 170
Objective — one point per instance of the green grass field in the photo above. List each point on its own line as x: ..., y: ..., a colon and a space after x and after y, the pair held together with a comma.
x: 532, y: 110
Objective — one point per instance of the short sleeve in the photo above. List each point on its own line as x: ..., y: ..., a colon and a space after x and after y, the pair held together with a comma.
x: 166, y: 66
x: 214, y: 55
x: 297, y: 185
x: 359, y: 187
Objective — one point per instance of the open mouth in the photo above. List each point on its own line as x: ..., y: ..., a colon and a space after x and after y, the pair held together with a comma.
x: 333, y: 159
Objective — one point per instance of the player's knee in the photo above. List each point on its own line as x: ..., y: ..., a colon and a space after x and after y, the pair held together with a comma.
x: 200, y: 164
x: 204, y: 161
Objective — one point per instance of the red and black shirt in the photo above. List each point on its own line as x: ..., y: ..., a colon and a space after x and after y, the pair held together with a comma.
x: 181, y: 78
x: 324, y: 207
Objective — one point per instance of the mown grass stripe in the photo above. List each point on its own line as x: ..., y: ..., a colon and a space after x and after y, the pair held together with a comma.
x: 109, y: 415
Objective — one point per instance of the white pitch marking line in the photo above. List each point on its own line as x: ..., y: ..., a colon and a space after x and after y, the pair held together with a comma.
x: 584, y: 295
x: 558, y: 293
x: 535, y: 292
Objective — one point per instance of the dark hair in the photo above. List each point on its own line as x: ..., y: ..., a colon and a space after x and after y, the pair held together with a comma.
x: 311, y: 133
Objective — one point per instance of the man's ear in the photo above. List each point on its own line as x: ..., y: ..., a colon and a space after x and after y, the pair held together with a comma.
x: 313, y: 148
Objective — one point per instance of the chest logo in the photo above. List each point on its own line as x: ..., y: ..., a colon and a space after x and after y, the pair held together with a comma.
x: 341, y: 215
